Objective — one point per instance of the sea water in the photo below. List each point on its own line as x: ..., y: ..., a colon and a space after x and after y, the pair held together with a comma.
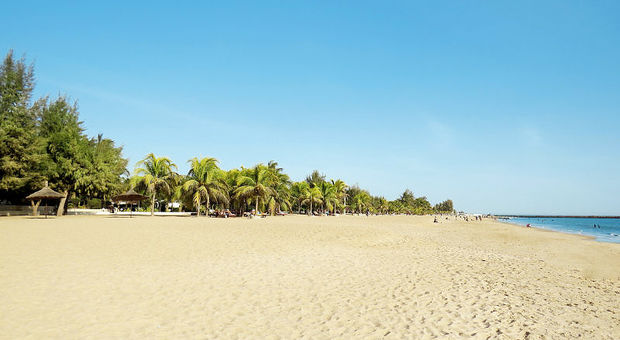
x: 609, y: 230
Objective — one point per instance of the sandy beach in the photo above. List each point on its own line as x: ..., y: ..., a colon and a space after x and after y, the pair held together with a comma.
x: 390, y: 277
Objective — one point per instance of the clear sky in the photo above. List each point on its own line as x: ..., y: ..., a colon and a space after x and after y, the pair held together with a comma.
x: 502, y: 106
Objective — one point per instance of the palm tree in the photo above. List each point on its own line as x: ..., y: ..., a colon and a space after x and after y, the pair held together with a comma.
x: 382, y: 205
x: 297, y: 193
x: 328, y: 195
x: 273, y: 166
x: 340, y: 188
x: 174, y: 183
x: 396, y: 207
x: 315, y: 178
x: 361, y: 201
x: 156, y: 173
x: 280, y: 183
x: 179, y: 194
x: 254, y: 185
x: 351, y: 192
x: 309, y: 196
x: 280, y: 200
x: 232, y: 178
x: 204, y: 182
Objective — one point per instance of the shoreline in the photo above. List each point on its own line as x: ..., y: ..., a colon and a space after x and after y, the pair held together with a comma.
x: 584, y: 236
x: 557, y: 216
x: 581, y: 236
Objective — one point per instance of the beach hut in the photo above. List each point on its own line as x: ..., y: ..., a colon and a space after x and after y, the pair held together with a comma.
x: 131, y: 197
x: 43, y: 195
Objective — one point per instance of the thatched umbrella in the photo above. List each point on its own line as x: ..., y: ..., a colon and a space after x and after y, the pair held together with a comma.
x: 44, y: 194
x: 130, y: 196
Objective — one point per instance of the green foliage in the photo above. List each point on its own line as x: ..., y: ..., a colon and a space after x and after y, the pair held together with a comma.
x: 280, y: 183
x: 361, y: 201
x: 315, y: 178
x: 94, y: 203
x: 298, y: 190
x: 381, y: 205
x: 309, y: 196
x: 105, y: 166
x: 66, y: 145
x: 21, y: 150
x: 254, y: 185
x: 205, y: 182
x: 157, y: 174
x: 422, y: 206
x: 407, y: 198
x: 74, y: 202
x: 328, y: 196
x: 268, y: 188
x: 340, y: 188
x: 445, y: 207
x: 232, y: 178
x: 46, y: 141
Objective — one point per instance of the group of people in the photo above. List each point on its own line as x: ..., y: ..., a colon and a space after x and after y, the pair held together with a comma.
x: 464, y: 217
x: 223, y: 213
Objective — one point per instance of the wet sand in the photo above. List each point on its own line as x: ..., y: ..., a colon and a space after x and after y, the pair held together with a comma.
x: 302, y: 277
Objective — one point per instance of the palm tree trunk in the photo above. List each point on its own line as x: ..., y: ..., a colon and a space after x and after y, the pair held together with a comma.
x: 311, y: 212
x: 61, y: 205
x: 207, y: 213
x: 256, y: 209
x: 35, y: 207
x: 153, y: 203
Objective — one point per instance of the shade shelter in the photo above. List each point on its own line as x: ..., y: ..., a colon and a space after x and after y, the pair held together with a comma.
x: 43, y: 195
x: 130, y: 196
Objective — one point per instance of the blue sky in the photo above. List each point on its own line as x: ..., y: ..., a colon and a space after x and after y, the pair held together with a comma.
x: 504, y: 107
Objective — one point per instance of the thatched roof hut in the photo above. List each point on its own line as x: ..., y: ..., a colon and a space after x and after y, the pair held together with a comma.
x: 130, y: 196
x: 44, y: 194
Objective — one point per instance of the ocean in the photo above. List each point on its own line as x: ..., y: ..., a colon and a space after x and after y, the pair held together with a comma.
x: 609, y: 230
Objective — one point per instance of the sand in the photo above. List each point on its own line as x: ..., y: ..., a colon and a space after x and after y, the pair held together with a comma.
x: 302, y: 277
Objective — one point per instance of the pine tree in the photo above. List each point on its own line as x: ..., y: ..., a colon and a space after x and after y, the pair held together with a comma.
x: 21, y: 151
x: 67, y: 147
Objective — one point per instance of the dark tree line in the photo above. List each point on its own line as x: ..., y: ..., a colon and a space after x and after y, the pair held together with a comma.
x: 44, y: 140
